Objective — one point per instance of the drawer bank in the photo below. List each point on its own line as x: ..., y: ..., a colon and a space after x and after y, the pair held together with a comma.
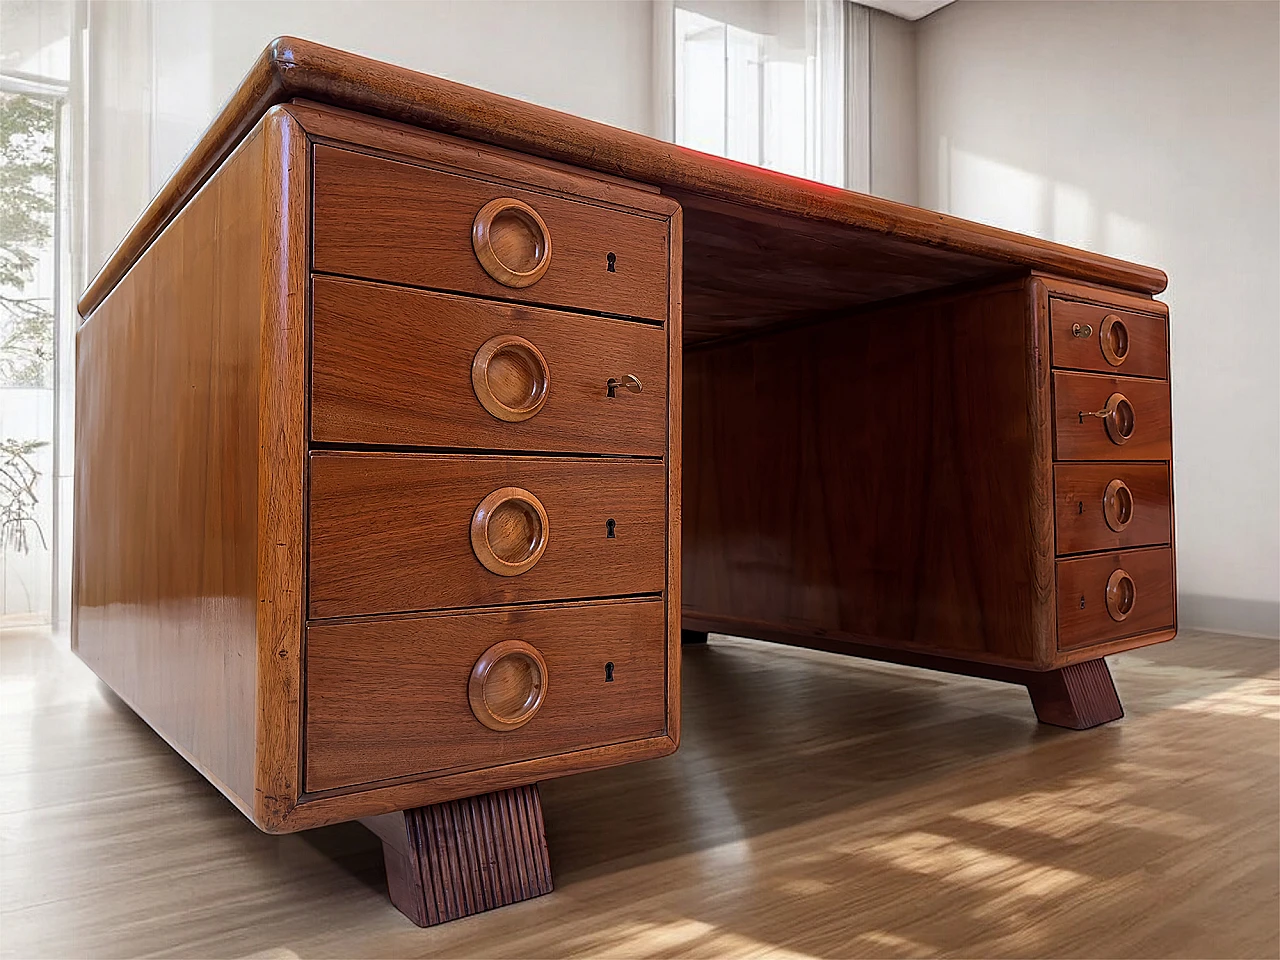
x: 417, y: 429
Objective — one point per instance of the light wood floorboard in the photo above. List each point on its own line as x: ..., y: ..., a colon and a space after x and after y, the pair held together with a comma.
x: 818, y: 806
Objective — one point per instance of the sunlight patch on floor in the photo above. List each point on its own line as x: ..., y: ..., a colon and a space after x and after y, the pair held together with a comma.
x: 961, y: 863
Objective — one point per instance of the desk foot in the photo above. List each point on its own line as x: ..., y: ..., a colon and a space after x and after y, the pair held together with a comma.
x: 466, y: 856
x: 1077, y: 697
x: 688, y: 637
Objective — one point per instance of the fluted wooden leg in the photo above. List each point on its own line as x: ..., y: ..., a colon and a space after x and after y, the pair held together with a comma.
x: 692, y: 636
x: 1079, y: 696
x: 454, y: 859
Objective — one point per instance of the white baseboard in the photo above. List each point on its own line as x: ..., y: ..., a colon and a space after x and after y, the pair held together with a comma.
x: 1251, y: 618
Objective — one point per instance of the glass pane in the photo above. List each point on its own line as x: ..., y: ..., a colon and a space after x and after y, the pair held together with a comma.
x: 28, y: 279
x: 744, y: 60
x: 765, y: 85
x: 700, y: 82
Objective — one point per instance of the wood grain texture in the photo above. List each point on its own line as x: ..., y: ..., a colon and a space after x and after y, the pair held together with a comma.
x: 403, y: 223
x: 165, y: 576
x: 391, y: 533
x: 1147, y: 339
x: 387, y: 699
x: 891, y: 469
x: 394, y: 366
x: 816, y: 803
x: 749, y: 268
x: 1083, y: 619
x: 1086, y: 438
x: 292, y: 68
x: 1078, y: 697
x: 1079, y: 489
x: 282, y: 470
x: 398, y: 141
x: 460, y: 858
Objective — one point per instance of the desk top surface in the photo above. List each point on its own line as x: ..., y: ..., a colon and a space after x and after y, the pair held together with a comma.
x: 760, y: 246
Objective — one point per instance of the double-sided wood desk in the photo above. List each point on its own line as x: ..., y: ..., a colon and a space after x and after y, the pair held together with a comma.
x: 380, y: 469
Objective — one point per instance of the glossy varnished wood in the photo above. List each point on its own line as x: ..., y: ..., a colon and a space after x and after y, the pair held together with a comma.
x: 187, y: 583
x: 1077, y: 330
x: 387, y: 699
x: 408, y: 517
x: 1079, y: 495
x: 893, y: 470
x: 466, y: 856
x: 292, y: 68
x: 1083, y: 617
x: 816, y: 804
x: 165, y: 578
x: 403, y: 223
x: 373, y: 342
x: 1080, y: 435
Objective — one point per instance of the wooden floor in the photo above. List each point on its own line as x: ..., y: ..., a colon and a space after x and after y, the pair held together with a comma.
x: 818, y: 807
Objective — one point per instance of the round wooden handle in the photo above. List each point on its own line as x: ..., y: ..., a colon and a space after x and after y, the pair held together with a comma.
x: 510, y: 377
x: 1121, y: 594
x: 511, y: 242
x: 1117, y: 505
x: 508, y: 684
x: 1114, y: 339
x: 1119, y: 418
x: 509, y: 531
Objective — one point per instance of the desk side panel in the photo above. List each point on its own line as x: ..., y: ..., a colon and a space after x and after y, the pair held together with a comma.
x: 877, y: 478
x: 165, y: 570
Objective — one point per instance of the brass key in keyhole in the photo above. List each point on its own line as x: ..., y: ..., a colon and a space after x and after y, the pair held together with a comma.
x: 629, y: 383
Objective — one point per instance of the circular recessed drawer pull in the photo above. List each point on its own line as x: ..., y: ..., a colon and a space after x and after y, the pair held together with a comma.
x: 1120, y: 594
x: 510, y: 378
x: 509, y: 531
x: 1118, y: 416
x: 511, y: 242
x: 1114, y: 339
x: 508, y: 684
x: 1117, y: 505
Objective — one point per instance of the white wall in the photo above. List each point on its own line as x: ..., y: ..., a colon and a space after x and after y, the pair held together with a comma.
x: 894, y: 119
x: 1149, y: 131
x: 162, y: 68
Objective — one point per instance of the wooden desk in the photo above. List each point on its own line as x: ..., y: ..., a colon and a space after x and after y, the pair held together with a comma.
x: 379, y: 457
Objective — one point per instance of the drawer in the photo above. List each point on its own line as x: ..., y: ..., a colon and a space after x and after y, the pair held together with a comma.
x: 1104, y: 506
x: 403, y: 532
x: 1110, y: 418
x: 1088, y: 337
x: 388, y: 220
x: 397, y: 366
x: 1114, y: 595
x: 429, y: 695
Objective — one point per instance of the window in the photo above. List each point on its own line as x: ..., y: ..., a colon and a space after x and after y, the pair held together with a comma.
x: 35, y: 337
x: 763, y: 83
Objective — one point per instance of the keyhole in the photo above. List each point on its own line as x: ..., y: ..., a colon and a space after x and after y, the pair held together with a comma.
x: 612, y: 259
x: 1081, y: 507
x: 1082, y: 603
x: 609, y: 527
x: 608, y: 672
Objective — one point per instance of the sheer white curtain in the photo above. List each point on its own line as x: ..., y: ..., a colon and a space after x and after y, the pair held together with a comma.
x: 765, y: 82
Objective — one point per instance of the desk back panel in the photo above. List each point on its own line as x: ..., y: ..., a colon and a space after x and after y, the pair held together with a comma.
x: 882, y: 477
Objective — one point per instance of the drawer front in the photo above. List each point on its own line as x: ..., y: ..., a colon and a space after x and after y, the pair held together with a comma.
x: 398, y: 366
x: 398, y: 698
x: 388, y: 220
x: 1104, y: 506
x: 1110, y: 418
x: 1088, y: 337
x: 396, y: 533
x: 1114, y: 595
